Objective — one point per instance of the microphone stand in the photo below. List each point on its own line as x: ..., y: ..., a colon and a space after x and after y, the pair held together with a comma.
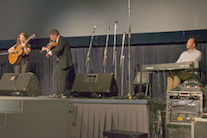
x: 115, y: 52
x: 122, y: 64
x: 89, y: 50
x: 193, y: 70
x: 129, y: 37
x: 105, y: 51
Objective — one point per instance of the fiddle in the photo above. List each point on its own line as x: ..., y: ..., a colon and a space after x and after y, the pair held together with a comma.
x: 50, y: 45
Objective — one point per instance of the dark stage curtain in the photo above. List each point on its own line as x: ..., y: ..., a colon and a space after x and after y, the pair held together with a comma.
x: 144, y: 54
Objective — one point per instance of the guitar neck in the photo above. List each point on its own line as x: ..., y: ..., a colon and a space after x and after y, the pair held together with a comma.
x: 27, y: 40
x: 31, y: 37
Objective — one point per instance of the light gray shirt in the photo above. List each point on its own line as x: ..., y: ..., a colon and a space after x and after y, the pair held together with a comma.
x: 195, y: 55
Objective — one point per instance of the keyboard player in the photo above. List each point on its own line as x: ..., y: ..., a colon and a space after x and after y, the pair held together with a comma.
x: 192, y: 54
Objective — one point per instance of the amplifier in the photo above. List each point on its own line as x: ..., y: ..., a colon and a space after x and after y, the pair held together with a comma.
x: 181, y: 106
x: 191, y: 85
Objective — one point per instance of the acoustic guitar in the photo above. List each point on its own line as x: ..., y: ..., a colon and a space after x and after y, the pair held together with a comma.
x: 15, y: 58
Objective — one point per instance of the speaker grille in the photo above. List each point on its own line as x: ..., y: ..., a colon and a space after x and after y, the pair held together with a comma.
x: 178, y: 131
x: 200, y: 129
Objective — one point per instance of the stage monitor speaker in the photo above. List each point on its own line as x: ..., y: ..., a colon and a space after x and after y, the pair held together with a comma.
x: 198, y: 127
x: 178, y: 131
x: 204, y: 92
x: 100, y: 83
x: 19, y: 84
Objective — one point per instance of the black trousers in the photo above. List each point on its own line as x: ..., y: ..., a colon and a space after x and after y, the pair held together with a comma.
x: 59, y: 79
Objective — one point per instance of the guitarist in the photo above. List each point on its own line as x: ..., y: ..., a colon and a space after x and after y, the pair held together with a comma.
x: 22, y: 66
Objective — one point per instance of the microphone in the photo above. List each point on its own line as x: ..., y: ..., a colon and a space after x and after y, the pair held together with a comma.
x: 94, y: 28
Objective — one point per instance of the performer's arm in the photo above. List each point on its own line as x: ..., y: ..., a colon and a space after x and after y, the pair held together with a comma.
x: 198, y: 57
x: 12, y: 49
x: 26, y: 49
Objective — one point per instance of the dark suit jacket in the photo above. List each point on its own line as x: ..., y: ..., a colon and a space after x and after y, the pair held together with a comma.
x: 62, y: 50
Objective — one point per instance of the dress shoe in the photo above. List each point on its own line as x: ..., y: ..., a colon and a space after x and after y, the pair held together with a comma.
x: 54, y: 96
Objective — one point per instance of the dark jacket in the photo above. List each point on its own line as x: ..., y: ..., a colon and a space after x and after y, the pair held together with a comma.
x: 62, y: 50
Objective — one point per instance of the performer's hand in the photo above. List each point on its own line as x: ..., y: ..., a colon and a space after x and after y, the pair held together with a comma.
x: 44, y: 48
x: 23, y: 45
x: 47, y: 55
x: 12, y: 50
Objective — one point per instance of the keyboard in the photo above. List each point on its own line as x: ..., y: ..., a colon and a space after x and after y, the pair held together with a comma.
x: 170, y: 66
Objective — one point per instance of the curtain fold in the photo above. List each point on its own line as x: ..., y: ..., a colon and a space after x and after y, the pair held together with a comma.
x: 93, y: 119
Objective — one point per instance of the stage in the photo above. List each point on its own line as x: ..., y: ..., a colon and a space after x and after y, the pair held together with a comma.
x: 72, y: 118
x: 33, y: 117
